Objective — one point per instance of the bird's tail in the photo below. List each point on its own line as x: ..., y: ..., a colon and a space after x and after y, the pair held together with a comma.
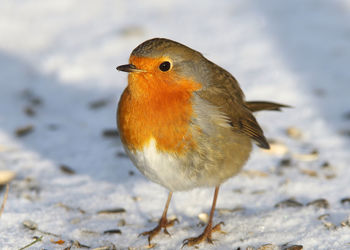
x: 255, y: 106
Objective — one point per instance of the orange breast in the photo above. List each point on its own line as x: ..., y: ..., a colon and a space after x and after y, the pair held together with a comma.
x: 157, y: 105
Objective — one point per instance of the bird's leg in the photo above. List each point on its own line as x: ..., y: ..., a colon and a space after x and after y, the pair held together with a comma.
x: 163, y: 223
x: 206, y: 235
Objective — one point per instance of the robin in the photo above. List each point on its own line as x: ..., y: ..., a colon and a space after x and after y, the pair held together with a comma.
x: 184, y: 122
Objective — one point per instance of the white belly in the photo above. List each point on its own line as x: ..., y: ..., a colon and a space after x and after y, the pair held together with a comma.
x: 162, y: 168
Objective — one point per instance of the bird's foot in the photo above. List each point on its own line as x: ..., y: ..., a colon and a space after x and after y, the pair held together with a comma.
x: 163, y: 223
x: 206, y: 235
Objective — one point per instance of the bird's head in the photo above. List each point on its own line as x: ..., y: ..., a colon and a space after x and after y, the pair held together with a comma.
x: 164, y: 64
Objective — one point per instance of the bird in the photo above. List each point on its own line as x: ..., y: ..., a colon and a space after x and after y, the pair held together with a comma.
x: 184, y: 123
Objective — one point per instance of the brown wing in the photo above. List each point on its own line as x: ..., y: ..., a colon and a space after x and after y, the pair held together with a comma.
x: 255, y: 106
x: 224, y: 92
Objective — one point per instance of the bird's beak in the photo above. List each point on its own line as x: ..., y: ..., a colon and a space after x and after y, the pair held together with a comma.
x: 129, y: 68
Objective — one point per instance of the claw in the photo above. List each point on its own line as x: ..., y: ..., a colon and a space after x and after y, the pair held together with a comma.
x: 166, y: 231
x: 206, y: 235
x: 172, y: 222
x: 163, y: 224
x: 217, y: 227
x: 210, y: 241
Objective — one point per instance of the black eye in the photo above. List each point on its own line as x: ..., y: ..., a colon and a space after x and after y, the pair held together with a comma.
x: 165, y: 66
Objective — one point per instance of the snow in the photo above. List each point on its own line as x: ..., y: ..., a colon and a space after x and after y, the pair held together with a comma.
x: 64, y: 53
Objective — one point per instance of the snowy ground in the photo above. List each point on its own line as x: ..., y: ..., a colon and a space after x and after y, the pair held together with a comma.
x: 57, y: 74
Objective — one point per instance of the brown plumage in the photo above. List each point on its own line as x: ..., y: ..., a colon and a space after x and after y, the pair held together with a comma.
x: 255, y: 106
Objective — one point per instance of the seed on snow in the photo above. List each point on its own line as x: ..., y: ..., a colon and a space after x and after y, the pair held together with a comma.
x: 30, y: 224
x: 319, y: 203
x: 203, y: 217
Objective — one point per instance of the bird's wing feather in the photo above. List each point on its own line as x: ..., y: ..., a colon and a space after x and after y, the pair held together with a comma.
x: 225, y: 93
x: 255, y: 106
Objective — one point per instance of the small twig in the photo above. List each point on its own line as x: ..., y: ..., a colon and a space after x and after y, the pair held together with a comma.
x: 36, y: 240
x: 5, y: 199
x: 48, y: 233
